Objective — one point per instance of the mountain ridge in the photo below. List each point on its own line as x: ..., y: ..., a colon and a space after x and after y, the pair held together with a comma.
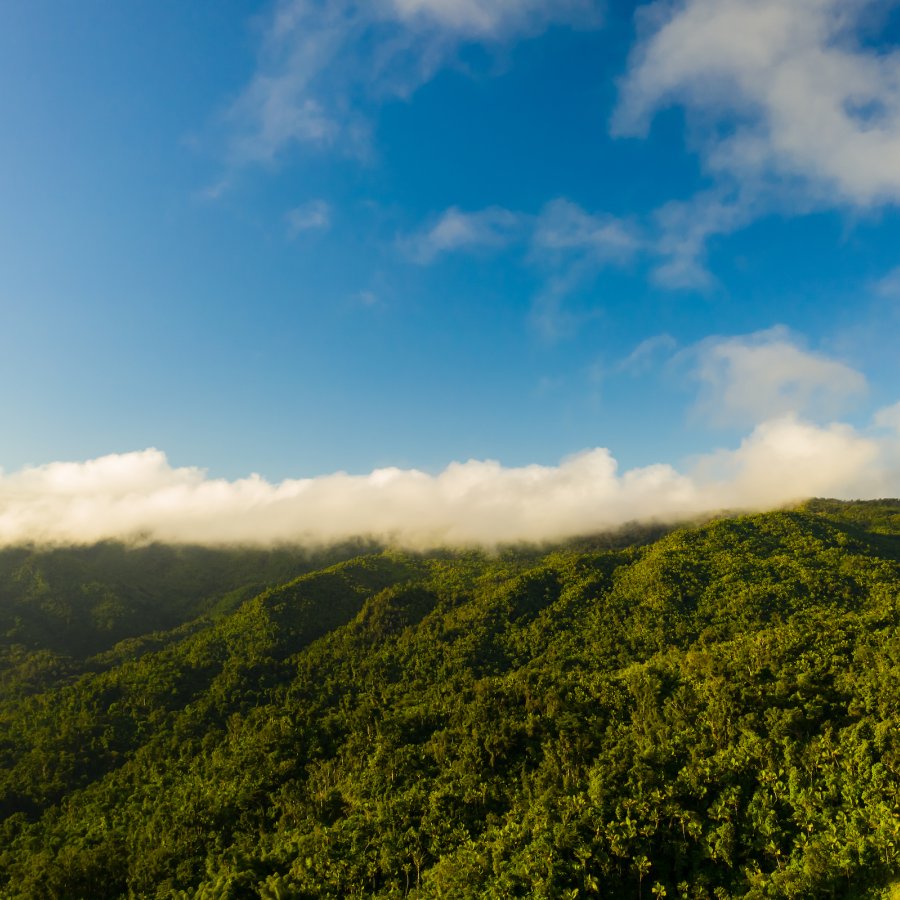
x: 710, y: 713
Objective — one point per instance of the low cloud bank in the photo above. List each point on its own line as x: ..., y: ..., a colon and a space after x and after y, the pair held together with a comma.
x: 140, y: 496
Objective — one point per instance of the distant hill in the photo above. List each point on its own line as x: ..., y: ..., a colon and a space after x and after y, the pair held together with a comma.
x: 704, y: 712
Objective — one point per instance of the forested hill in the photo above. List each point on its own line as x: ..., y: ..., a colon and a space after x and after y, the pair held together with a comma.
x: 710, y: 713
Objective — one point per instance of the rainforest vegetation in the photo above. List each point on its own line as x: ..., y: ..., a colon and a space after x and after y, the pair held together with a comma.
x: 709, y: 711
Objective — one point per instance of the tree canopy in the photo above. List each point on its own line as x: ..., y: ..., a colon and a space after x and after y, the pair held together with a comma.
x: 708, y: 712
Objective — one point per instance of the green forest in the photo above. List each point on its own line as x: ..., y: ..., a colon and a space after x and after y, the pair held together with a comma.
x: 704, y: 711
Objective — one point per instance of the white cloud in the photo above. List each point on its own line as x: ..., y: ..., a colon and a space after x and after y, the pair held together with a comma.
x: 756, y: 377
x: 786, y: 91
x: 787, y: 458
x: 456, y: 230
x: 325, y: 64
x: 139, y: 495
x: 763, y: 378
x: 312, y: 216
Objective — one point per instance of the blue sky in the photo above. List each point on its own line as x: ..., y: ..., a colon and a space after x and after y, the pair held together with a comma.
x: 299, y: 237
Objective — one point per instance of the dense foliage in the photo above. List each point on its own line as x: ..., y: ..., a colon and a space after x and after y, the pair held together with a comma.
x: 710, y: 713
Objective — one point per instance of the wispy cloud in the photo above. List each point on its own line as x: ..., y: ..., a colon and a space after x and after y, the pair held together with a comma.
x: 457, y: 230
x: 889, y: 285
x: 325, y: 65
x: 646, y: 354
x: 551, y: 314
x: 312, y: 216
x: 889, y: 418
x: 564, y: 227
x: 563, y: 240
x: 496, y: 19
x: 572, y: 245
x: 682, y: 232
x: 367, y: 298
x: 573, y: 240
